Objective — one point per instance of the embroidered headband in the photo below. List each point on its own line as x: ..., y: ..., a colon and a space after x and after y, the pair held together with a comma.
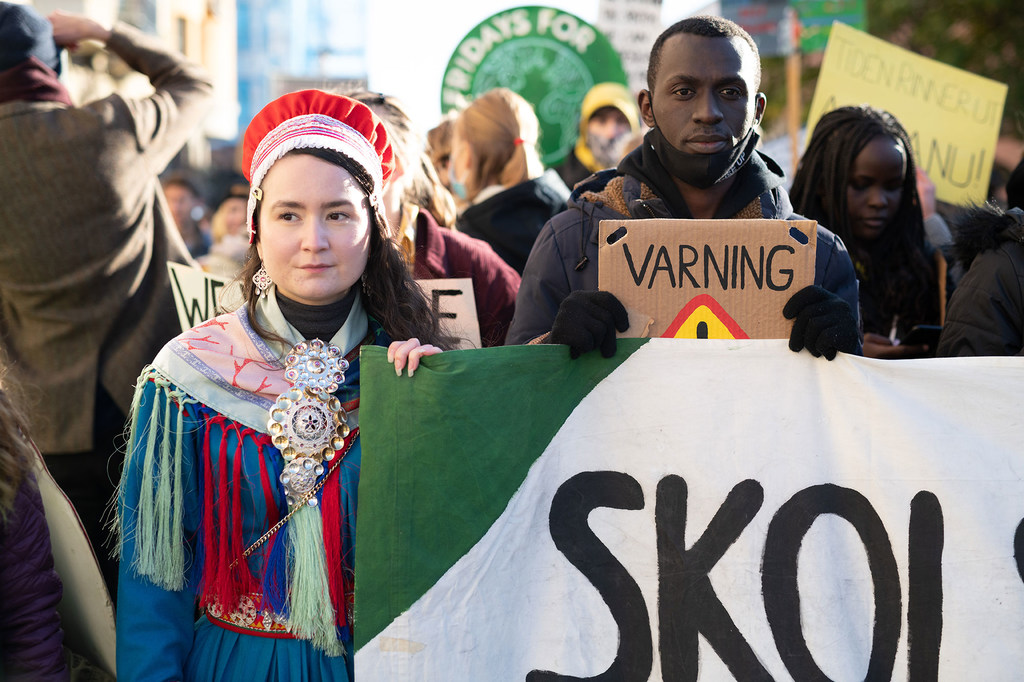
x: 315, y: 119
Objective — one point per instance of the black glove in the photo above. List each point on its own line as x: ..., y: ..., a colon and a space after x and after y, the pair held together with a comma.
x: 587, y: 320
x: 823, y: 323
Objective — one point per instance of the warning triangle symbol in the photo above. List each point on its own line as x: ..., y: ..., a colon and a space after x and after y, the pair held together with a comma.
x: 704, y: 318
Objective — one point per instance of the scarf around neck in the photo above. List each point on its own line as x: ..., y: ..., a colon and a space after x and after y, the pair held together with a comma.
x: 32, y: 81
x: 226, y: 365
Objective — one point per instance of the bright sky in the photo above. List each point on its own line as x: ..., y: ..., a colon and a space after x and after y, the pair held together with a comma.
x: 411, y: 41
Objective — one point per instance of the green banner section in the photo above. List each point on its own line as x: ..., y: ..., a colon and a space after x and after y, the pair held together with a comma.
x: 550, y: 57
x: 423, y: 436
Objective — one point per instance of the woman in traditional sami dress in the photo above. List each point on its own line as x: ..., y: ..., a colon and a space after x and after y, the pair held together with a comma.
x: 238, y: 497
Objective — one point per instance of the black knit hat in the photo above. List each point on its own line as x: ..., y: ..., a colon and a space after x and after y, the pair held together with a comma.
x: 25, y: 33
x: 1015, y: 187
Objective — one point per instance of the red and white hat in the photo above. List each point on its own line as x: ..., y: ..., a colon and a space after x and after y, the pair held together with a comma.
x: 313, y: 118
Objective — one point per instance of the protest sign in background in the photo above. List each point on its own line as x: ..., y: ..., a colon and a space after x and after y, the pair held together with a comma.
x: 690, y: 510
x: 549, y: 57
x: 818, y: 16
x: 952, y: 116
x: 455, y: 304
x: 199, y: 296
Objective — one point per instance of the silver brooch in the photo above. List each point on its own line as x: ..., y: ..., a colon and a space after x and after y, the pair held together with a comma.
x: 307, y: 423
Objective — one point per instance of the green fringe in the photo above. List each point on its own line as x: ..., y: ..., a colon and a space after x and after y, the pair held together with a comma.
x: 159, y: 548
x: 310, y: 612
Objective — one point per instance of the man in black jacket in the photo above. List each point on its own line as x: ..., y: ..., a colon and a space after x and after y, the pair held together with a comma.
x: 698, y: 161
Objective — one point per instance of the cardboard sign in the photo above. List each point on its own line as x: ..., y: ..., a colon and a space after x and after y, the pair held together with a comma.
x: 454, y: 302
x: 952, y: 116
x: 86, y: 611
x: 197, y: 294
x: 706, y: 279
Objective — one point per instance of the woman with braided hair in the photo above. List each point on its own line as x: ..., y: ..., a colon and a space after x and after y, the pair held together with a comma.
x: 858, y: 178
x: 238, y: 498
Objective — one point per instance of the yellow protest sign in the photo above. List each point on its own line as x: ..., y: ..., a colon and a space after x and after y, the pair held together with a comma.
x: 952, y: 116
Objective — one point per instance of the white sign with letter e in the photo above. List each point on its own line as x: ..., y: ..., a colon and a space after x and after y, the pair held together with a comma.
x: 454, y: 302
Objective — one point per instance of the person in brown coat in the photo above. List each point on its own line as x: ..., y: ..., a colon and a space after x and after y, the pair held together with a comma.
x: 85, y: 299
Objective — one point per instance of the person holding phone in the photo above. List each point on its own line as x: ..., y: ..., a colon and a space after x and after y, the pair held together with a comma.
x: 858, y: 177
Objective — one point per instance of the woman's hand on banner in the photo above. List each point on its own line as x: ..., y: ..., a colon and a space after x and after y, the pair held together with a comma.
x: 408, y: 353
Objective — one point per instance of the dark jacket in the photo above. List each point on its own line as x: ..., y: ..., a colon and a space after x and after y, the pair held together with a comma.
x: 510, y: 220
x: 564, y: 259
x: 986, y: 312
x: 31, y: 638
x: 443, y: 253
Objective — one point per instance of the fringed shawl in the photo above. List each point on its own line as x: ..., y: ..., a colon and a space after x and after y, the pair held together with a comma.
x: 198, y: 441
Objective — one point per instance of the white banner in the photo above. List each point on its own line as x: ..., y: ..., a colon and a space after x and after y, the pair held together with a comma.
x: 721, y: 510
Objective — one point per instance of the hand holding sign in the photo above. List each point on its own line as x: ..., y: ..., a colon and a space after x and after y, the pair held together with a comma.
x: 822, y: 323
x: 706, y: 279
x: 587, y: 320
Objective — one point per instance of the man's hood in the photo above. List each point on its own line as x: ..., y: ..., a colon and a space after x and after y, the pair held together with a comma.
x: 983, y: 228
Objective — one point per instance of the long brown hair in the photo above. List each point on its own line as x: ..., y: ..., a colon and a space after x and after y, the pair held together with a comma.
x: 16, y: 452
x: 390, y: 294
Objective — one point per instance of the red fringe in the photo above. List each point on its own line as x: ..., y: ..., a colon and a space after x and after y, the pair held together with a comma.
x: 222, y: 523
x: 223, y: 539
x: 273, y: 515
x: 222, y: 588
x: 339, y: 566
x: 209, y: 525
x: 242, y: 578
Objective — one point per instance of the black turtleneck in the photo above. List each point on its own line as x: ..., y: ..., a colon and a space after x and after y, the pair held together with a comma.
x: 317, y: 321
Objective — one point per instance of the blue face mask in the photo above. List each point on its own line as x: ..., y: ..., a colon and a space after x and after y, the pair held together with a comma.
x: 458, y: 188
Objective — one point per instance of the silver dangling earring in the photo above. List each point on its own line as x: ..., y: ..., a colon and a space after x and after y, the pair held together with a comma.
x: 362, y: 279
x: 262, y: 281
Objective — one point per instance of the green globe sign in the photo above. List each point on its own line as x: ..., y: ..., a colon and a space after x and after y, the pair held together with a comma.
x: 550, y: 57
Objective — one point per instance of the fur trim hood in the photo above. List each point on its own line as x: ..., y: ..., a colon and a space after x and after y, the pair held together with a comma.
x: 982, y: 228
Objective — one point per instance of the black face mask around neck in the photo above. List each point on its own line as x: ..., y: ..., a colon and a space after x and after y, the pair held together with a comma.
x: 702, y: 170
